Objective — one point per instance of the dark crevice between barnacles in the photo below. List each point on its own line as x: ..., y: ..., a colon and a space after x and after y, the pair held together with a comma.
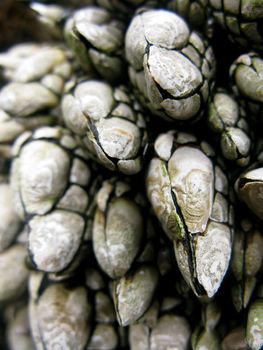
x: 88, y: 45
x: 243, y: 181
x: 260, y: 27
x: 243, y: 281
x: 93, y: 130
x: 76, y: 255
x: 238, y: 154
x: 109, y: 201
x: 164, y: 93
x: 187, y: 244
x: 116, y: 301
x: 128, y: 195
x: 84, y: 216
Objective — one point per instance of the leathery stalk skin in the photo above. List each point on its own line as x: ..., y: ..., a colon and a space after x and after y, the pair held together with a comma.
x: 109, y: 123
x: 53, y: 190
x: 172, y: 68
x: 188, y: 191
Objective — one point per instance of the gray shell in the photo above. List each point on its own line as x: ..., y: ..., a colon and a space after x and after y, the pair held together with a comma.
x: 189, y: 195
x: 133, y: 293
x: 205, y: 336
x: 118, y: 228
x: 171, y: 68
x: 246, y: 73
x: 105, y: 334
x: 109, y: 123
x: 194, y: 11
x: 103, y: 337
x: 18, y: 330
x: 97, y: 40
x: 246, y: 262
x: 59, y: 316
x: 53, y: 188
x: 52, y: 17
x: 14, y: 273
x: 249, y: 186
x: 254, y: 329
x: 10, y: 222
x: 37, y: 74
x: 227, y: 120
x: 241, y: 19
x: 170, y: 332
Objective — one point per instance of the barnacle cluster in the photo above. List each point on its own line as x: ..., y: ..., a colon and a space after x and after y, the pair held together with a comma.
x: 131, y: 177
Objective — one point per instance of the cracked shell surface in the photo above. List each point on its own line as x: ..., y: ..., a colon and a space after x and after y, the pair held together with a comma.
x: 241, y: 20
x: 53, y: 189
x: 249, y: 187
x: 213, y: 253
x: 96, y: 38
x: 24, y: 99
x: 248, y: 78
x: 246, y: 73
x: 43, y: 175
x: 246, y: 263
x: 109, y: 124
x: 54, y: 239
x: 133, y: 294
x: 191, y: 176
x: 228, y: 119
x: 36, y: 76
x: 26, y: 62
x: 167, y: 67
x: 187, y: 193
x: 62, y: 317
x: 211, y: 258
x: 117, y: 235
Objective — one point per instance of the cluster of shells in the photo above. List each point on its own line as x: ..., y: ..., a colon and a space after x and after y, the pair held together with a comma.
x: 131, y: 177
